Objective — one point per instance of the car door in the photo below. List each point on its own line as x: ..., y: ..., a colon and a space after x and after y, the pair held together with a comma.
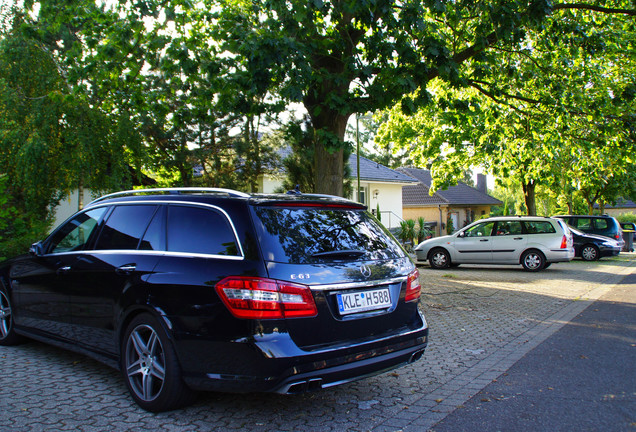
x: 41, y: 281
x: 117, y: 264
x: 508, y: 242
x: 474, y: 245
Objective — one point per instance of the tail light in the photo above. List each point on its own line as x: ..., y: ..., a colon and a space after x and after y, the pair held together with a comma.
x: 260, y: 298
x: 413, y: 287
x: 564, y: 242
x: 617, y: 236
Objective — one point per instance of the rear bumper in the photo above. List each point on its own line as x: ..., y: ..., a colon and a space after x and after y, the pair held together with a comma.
x: 560, y: 255
x: 276, y: 364
x: 349, y: 371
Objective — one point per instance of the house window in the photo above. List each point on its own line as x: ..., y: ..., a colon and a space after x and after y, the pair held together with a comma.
x: 362, y: 195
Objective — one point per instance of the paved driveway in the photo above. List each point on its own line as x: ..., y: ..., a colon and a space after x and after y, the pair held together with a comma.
x: 482, y: 320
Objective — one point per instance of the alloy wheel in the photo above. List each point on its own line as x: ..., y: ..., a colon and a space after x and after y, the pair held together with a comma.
x: 589, y: 253
x: 5, y: 316
x: 533, y: 261
x: 439, y: 259
x: 145, y: 363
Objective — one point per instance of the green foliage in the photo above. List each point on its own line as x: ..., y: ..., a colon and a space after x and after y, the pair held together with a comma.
x: 340, y: 58
x: 18, y: 229
x: 450, y: 227
x: 626, y: 217
x: 52, y: 139
x: 407, y: 233
x: 298, y: 164
x: 552, y: 112
x: 411, y: 231
x: 423, y: 231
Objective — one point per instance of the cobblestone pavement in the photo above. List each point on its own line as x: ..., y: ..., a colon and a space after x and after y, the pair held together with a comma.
x: 481, y: 319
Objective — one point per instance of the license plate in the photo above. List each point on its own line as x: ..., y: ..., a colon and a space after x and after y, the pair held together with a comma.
x: 363, y: 301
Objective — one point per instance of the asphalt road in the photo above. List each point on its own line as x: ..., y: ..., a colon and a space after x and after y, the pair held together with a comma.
x: 582, y: 378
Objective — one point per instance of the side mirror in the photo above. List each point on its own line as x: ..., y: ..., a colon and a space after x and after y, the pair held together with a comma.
x: 36, y: 249
x: 461, y: 234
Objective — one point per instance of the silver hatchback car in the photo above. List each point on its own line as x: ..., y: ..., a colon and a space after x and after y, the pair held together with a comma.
x: 533, y: 242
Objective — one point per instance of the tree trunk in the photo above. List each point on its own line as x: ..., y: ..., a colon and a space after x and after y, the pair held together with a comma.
x: 329, y: 171
x: 529, y: 196
x: 329, y: 166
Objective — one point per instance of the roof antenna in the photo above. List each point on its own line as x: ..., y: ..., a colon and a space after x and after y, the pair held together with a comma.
x: 296, y: 191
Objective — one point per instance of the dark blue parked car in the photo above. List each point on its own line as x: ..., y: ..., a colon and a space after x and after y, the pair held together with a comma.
x: 592, y: 247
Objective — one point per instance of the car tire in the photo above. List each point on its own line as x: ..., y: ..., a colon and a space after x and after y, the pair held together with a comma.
x: 150, y: 367
x: 439, y: 258
x: 590, y: 253
x: 532, y: 260
x: 8, y: 336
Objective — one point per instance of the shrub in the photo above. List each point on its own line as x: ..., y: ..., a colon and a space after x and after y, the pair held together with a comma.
x: 18, y: 229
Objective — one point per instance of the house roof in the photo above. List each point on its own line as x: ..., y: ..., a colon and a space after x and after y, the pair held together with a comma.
x: 620, y: 203
x: 461, y: 194
x: 369, y: 171
x: 374, y: 172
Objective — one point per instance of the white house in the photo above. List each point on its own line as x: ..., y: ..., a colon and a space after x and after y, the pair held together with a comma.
x: 379, y: 187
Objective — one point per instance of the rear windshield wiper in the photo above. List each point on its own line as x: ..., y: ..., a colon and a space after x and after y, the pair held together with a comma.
x: 347, y: 253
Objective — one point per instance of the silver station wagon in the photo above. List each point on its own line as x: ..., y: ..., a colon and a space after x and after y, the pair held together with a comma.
x: 530, y: 241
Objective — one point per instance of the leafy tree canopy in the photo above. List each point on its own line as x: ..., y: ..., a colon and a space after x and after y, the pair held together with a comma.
x: 555, y: 111
x: 343, y: 57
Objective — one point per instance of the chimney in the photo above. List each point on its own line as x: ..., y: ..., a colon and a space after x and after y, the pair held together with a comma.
x: 481, y: 183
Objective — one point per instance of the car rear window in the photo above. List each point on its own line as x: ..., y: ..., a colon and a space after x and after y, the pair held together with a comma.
x: 299, y: 235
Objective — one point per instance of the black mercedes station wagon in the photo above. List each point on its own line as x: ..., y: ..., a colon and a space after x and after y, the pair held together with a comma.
x: 213, y: 289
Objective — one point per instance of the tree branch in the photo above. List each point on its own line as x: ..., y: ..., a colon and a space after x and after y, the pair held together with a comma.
x: 492, y: 96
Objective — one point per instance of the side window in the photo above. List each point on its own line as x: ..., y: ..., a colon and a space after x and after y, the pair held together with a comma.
x: 601, y: 224
x: 74, y: 235
x: 539, y: 227
x: 154, y: 238
x: 125, y: 227
x: 509, y: 228
x: 199, y: 230
x: 479, y: 230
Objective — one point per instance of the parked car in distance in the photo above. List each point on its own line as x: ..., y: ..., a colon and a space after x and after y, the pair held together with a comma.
x: 591, y: 247
x: 211, y: 289
x: 602, y: 225
x: 533, y: 242
x: 631, y: 226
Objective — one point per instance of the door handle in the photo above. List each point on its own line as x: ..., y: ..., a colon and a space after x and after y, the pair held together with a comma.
x: 63, y: 270
x: 126, y: 269
x: 483, y: 240
x: 518, y: 238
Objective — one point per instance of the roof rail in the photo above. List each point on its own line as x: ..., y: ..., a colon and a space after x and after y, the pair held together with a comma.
x: 177, y: 191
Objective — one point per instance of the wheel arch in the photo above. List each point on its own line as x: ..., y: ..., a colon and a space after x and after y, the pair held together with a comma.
x: 128, y: 315
x: 531, y: 249
x: 440, y: 249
